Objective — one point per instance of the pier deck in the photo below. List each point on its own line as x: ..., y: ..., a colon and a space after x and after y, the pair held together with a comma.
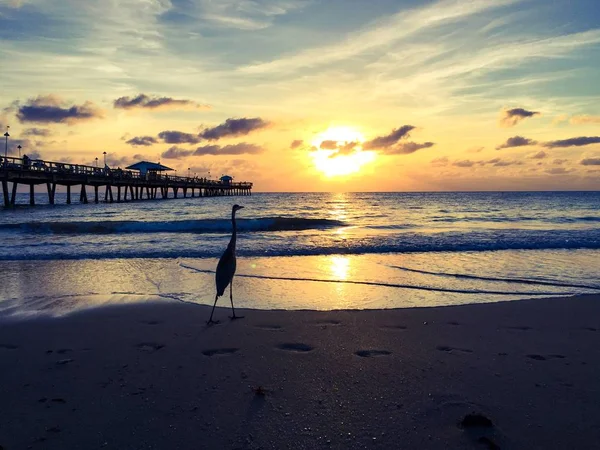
x: 119, y: 185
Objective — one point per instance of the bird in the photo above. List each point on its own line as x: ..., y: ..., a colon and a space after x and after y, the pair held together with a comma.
x: 226, y: 269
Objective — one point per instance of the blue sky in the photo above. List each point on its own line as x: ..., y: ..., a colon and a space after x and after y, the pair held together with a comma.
x: 450, y: 69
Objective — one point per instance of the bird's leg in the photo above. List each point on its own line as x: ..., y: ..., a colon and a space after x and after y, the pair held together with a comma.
x: 231, y: 298
x: 211, y: 313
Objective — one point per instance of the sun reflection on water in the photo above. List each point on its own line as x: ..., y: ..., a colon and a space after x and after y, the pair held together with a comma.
x: 339, y: 266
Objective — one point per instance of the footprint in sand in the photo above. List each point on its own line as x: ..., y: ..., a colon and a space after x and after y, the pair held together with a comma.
x: 453, y: 323
x: 328, y: 322
x: 270, y: 327
x: 9, y: 346
x: 151, y: 322
x: 295, y: 347
x: 446, y: 348
x: 149, y: 347
x: 544, y: 357
x: 219, y: 351
x: 394, y: 327
x: 372, y: 353
x: 519, y: 328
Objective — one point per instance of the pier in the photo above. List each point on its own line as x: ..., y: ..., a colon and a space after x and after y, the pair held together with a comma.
x: 118, y: 185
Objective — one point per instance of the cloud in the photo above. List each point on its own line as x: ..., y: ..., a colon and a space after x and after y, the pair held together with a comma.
x: 464, y: 163
x: 142, y: 140
x: 381, y: 34
x: 573, y: 142
x: 406, y: 148
x: 511, y: 117
x: 390, y: 139
x: 539, y: 155
x: 343, y: 150
x: 516, y: 141
x: 143, y: 101
x: 176, y: 153
x: 475, y: 150
x: 328, y: 145
x: 590, y: 162
x: 558, y: 171
x: 296, y: 143
x: 585, y: 119
x: 558, y: 162
x: 50, y: 109
x: 437, y: 162
x: 234, y: 127
x: 233, y: 149
x: 44, y: 132
x: 179, y: 137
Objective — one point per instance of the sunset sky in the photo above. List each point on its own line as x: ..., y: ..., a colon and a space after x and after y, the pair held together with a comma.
x: 311, y: 95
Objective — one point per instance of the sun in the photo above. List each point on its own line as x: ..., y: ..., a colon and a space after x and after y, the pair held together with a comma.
x: 339, y: 151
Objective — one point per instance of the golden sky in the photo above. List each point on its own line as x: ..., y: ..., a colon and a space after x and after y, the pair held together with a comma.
x: 307, y: 95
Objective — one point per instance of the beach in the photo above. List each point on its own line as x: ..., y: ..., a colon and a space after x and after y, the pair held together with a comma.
x: 153, y: 375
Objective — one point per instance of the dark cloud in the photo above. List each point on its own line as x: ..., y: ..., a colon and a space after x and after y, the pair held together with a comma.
x: 234, y: 127
x: 539, y: 155
x: 328, y: 145
x: 406, y: 148
x: 590, y: 162
x: 143, y: 101
x: 176, y: 153
x: 382, y: 142
x: 179, y: 137
x: 511, y: 117
x: 573, y: 142
x: 464, y: 163
x: 49, y: 109
x: 558, y: 171
x: 114, y: 160
x: 233, y: 149
x: 43, y: 132
x: 142, y: 140
x: 345, y: 149
x: 558, y: 162
x: 516, y: 141
x: 296, y: 143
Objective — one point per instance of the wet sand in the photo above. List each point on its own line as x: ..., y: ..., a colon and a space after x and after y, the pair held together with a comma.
x: 154, y: 376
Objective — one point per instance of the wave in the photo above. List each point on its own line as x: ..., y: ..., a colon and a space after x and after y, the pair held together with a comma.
x: 176, y: 226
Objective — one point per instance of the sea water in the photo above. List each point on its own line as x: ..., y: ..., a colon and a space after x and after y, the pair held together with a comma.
x: 302, y: 250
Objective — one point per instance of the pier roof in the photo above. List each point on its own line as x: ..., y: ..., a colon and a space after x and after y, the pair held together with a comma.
x: 144, y: 166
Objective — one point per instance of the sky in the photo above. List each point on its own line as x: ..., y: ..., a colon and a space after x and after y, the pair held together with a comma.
x: 311, y: 95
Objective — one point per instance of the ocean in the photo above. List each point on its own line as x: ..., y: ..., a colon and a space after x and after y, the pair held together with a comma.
x: 301, y: 250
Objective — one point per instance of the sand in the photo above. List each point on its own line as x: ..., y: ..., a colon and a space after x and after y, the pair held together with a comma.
x: 154, y: 376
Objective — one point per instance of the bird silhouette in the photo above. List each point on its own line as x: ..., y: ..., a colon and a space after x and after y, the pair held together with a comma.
x: 226, y: 268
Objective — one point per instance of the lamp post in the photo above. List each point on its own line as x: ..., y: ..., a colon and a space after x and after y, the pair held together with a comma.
x: 96, y: 161
x: 104, y: 153
x: 19, y: 147
x: 209, y: 174
x: 188, y: 172
x: 6, y: 135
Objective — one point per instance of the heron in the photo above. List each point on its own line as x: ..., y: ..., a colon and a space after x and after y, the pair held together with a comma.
x: 226, y: 269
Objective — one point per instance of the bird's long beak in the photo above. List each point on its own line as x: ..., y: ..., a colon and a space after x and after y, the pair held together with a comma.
x: 240, y: 207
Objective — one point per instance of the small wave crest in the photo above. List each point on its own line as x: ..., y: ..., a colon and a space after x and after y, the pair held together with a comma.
x: 177, y: 226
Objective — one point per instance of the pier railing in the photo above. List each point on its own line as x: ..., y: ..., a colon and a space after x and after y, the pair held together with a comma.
x: 42, y: 166
x: 33, y: 172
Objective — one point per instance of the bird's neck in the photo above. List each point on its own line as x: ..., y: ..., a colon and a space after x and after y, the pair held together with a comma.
x: 234, y: 234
